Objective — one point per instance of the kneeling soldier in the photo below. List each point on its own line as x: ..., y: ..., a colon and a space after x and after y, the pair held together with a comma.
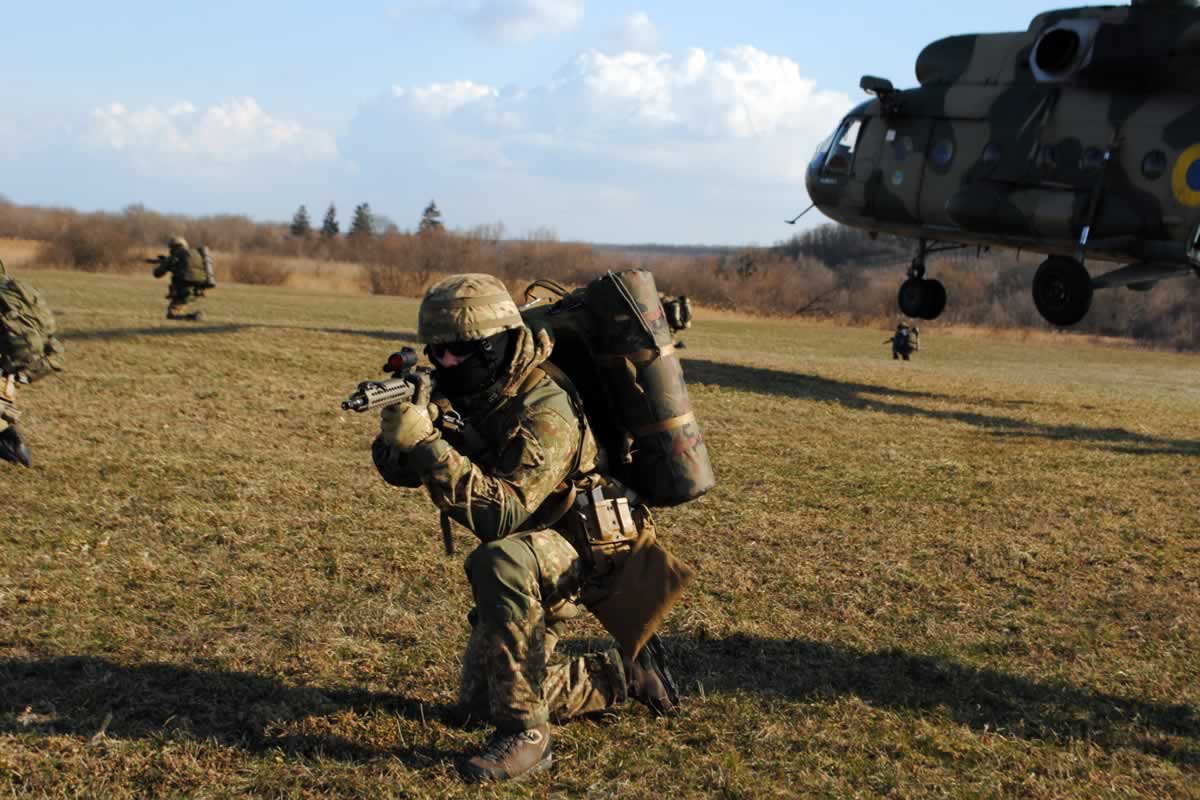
x: 190, y: 276
x: 505, y: 450
x: 29, y: 350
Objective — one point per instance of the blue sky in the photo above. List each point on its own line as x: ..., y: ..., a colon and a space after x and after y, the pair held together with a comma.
x: 624, y: 121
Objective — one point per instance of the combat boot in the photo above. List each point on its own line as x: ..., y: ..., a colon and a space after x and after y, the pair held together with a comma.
x: 650, y: 682
x: 13, y: 448
x: 509, y: 756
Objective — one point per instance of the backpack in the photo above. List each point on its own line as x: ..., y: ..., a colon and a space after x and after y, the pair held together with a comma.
x: 613, y: 343
x: 28, y: 346
x: 194, y: 272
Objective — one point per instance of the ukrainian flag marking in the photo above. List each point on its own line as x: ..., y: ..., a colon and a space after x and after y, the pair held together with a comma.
x: 1185, y: 178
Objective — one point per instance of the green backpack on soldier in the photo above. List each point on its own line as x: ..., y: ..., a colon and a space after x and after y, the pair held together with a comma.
x: 614, y: 344
x: 29, y: 347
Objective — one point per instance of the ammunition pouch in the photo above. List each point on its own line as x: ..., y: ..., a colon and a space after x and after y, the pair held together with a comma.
x: 633, y: 581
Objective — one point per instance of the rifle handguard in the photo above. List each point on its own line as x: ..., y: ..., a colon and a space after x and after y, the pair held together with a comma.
x: 371, y: 395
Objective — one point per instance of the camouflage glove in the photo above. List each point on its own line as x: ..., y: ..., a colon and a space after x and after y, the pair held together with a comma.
x: 407, y: 425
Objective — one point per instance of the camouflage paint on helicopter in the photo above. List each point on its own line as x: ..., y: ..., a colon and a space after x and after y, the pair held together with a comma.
x: 1078, y: 138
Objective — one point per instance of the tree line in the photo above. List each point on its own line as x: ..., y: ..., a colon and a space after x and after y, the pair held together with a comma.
x: 828, y: 271
x: 364, y: 222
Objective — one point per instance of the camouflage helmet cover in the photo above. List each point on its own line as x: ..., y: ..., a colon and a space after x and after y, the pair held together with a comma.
x: 465, y: 308
x: 177, y: 241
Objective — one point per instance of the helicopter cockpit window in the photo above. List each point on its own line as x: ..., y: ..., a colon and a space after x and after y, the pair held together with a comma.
x: 818, y: 158
x: 841, y: 155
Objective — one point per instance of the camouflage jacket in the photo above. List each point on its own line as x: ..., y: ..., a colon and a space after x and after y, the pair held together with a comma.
x: 186, y: 266
x: 508, y: 470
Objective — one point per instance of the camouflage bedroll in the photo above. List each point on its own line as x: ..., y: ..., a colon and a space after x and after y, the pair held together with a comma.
x: 28, y: 346
x: 612, y: 339
x: 210, y: 272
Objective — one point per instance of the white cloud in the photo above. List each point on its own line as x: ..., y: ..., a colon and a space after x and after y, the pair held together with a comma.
x: 219, y: 140
x: 443, y: 99
x: 633, y: 143
x: 506, y: 21
x: 755, y: 113
x: 638, y: 34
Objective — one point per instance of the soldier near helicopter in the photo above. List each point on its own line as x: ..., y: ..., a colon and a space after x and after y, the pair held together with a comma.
x: 678, y: 311
x: 904, y: 341
x: 29, y: 350
x: 504, y: 449
x: 191, y: 274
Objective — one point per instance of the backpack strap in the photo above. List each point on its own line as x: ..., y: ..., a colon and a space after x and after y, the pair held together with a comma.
x: 567, y: 385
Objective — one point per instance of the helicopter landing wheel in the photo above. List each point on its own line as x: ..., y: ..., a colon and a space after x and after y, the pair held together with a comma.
x: 922, y: 299
x: 1062, y: 291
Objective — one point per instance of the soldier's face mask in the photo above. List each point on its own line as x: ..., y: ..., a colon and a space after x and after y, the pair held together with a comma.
x: 467, y: 368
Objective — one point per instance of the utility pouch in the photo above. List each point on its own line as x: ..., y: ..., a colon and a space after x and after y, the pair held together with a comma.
x: 604, y: 530
x: 647, y: 586
x: 633, y: 580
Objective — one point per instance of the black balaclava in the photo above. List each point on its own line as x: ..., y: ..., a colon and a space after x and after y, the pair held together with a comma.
x: 468, y: 382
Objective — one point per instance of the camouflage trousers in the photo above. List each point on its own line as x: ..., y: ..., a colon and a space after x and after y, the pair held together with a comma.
x: 523, y: 587
x: 184, y: 300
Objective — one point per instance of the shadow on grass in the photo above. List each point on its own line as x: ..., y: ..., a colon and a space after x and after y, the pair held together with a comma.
x: 186, y: 329
x: 983, y: 699
x: 73, y: 696
x: 867, y: 397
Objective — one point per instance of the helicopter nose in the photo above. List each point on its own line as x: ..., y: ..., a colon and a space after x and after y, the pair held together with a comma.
x: 824, y: 192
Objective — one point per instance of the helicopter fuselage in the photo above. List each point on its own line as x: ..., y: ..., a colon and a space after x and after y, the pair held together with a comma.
x: 1079, y: 138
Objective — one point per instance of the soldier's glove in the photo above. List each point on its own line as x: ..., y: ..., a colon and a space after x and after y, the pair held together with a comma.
x: 406, y: 425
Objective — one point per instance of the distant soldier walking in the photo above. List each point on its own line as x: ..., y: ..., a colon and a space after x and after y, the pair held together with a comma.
x: 29, y: 350
x: 904, y: 341
x: 191, y: 274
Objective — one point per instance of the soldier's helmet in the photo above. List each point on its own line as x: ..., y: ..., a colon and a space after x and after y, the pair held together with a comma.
x: 177, y: 241
x: 466, y: 308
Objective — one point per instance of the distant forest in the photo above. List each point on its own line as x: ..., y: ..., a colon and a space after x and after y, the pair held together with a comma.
x: 827, y: 271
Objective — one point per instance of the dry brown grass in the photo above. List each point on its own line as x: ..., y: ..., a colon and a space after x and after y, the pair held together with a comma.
x: 255, y: 270
x: 973, y: 575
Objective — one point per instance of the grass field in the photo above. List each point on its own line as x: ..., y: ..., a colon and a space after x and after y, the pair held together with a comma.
x: 973, y: 575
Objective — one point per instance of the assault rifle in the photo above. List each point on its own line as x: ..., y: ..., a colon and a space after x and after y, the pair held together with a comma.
x: 406, y: 380
x: 160, y: 265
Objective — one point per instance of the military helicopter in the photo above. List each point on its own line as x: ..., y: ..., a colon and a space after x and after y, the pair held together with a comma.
x: 1078, y: 138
